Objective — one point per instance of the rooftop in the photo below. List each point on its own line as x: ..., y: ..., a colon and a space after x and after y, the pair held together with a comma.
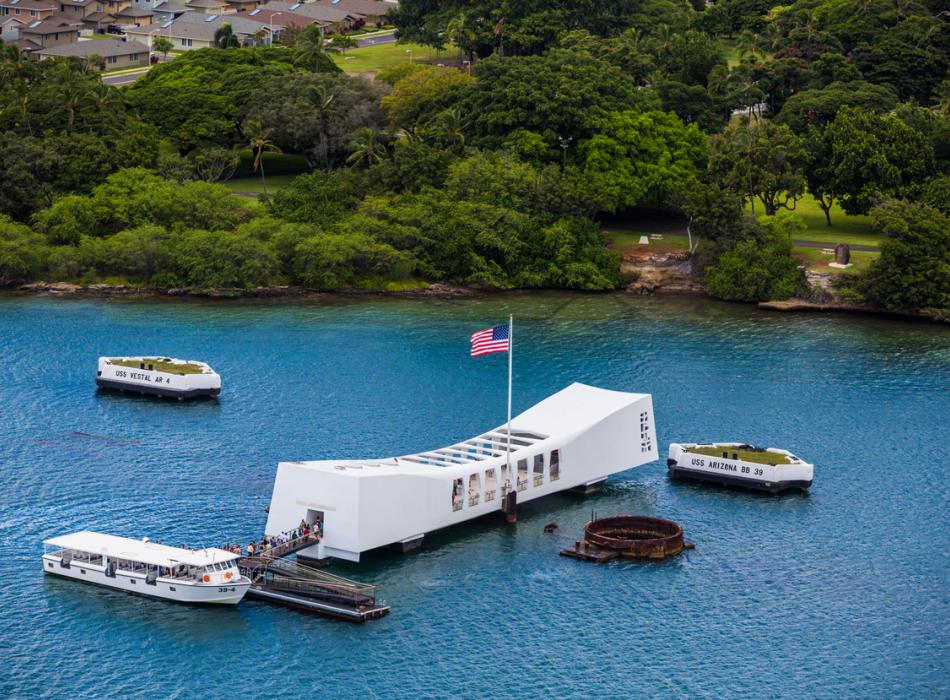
x: 138, y: 550
x: 104, y: 48
x: 568, y: 411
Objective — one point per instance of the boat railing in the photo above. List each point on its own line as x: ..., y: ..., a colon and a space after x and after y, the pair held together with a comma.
x: 473, y: 500
x: 490, y: 495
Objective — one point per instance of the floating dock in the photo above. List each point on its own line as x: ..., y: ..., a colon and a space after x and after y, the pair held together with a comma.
x: 292, y: 584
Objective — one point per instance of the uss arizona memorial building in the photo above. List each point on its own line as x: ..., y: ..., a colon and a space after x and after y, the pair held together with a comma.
x: 574, y: 438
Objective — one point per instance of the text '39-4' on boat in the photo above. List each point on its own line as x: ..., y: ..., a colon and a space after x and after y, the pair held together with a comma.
x: 147, y: 568
x: 740, y: 464
x: 158, y: 376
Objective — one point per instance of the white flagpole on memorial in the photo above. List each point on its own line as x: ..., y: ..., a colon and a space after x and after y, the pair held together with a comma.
x: 511, y: 351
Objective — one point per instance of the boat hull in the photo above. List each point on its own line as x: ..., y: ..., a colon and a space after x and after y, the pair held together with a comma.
x: 133, y: 582
x: 117, y: 385
x: 738, y: 481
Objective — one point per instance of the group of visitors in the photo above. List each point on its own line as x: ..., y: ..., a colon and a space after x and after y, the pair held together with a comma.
x: 271, y: 545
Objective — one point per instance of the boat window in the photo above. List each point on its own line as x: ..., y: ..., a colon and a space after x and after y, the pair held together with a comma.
x: 538, y: 470
x: 554, y: 466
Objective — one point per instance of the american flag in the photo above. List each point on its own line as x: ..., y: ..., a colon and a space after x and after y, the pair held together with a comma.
x: 490, y: 340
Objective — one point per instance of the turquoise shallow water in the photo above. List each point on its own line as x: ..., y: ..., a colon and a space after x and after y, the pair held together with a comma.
x: 843, y: 592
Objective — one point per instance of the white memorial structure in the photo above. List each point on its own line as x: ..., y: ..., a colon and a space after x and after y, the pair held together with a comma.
x: 574, y: 438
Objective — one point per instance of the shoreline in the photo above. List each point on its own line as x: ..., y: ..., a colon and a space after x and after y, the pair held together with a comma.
x: 67, y: 290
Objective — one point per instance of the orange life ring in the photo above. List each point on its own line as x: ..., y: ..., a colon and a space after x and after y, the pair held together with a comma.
x: 206, y: 578
x: 228, y: 575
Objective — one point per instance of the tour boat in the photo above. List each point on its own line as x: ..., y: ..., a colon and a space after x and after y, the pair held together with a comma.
x: 160, y: 376
x: 740, y: 464
x: 148, y: 568
x: 572, y: 440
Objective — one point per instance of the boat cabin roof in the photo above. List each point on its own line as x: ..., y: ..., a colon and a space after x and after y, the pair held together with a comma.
x: 139, y: 550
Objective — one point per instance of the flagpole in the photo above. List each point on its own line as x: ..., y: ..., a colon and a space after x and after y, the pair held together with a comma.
x: 511, y: 351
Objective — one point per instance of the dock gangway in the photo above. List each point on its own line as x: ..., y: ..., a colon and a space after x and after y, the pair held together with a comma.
x: 288, y: 582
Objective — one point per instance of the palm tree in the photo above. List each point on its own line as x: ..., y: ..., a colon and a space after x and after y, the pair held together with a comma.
x: 310, y: 49
x: 452, y: 125
x: 260, y: 144
x: 321, y: 99
x: 366, y: 148
x: 224, y: 37
x: 104, y: 98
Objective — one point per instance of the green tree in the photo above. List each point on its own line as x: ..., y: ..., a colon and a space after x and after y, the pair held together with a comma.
x: 162, y: 45
x: 759, y: 159
x: 224, y: 37
x: 22, y: 253
x: 819, y: 173
x: 366, y: 148
x: 339, y: 260
x: 913, y: 270
x: 342, y: 42
x: 643, y: 158
x: 310, y: 49
x: 217, y: 259
x: 873, y: 156
x: 760, y: 268
x: 260, y: 144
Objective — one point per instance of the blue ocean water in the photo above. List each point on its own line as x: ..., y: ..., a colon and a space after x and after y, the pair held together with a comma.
x: 842, y: 592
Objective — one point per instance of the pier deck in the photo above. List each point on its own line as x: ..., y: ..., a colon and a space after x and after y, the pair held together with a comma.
x: 287, y: 582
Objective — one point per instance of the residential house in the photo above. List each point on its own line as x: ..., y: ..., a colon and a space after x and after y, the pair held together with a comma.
x: 46, y: 33
x: 164, y: 11
x: 282, y: 20
x: 372, y: 12
x: 116, y: 53
x: 29, y: 10
x: 94, y: 14
x: 134, y: 17
x: 339, y: 20
x: 208, y: 7
x: 243, y: 5
x: 195, y: 31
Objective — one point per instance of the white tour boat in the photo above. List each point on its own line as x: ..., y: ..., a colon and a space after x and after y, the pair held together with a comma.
x: 161, y: 376
x: 139, y: 566
x: 740, y: 464
x: 573, y: 439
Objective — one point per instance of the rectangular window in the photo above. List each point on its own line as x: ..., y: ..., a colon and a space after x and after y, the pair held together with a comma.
x: 538, y: 470
x: 522, y: 474
x: 112, y: 59
x: 555, y: 466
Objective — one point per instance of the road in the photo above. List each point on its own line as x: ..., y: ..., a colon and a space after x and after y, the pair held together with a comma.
x: 388, y: 38
x: 124, y: 78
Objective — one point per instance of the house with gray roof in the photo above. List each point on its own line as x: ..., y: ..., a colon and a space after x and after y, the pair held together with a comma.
x: 116, y: 53
x: 196, y: 31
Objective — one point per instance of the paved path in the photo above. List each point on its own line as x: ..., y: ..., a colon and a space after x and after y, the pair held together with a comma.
x: 819, y: 244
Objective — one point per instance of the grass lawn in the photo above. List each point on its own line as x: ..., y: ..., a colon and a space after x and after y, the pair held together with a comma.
x: 253, y: 184
x: 855, y: 230
x: 624, y: 239
x: 816, y: 261
x: 758, y: 457
x: 162, y: 365
x: 372, y: 59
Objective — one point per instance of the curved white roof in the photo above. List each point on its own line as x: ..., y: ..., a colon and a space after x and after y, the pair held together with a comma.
x: 139, y: 550
x: 571, y: 410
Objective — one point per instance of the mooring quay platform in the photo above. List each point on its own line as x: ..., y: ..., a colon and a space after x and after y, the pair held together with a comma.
x: 287, y: 582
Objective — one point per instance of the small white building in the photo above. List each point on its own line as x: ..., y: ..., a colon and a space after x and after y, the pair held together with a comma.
x: 574, y: 438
